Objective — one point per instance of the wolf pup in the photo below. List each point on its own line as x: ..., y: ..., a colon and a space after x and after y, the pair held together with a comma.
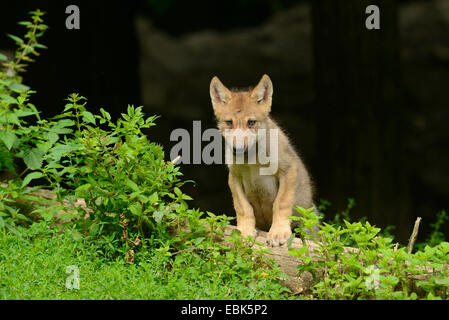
x: 260, y: 199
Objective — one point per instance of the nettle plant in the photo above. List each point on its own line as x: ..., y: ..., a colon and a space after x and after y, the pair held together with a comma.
x: 127, y: 186
x: 18, y: 138
x: 354, y: 261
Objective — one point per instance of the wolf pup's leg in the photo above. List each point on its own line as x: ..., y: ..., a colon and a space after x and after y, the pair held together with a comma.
x: 280, y: 229
x: 246, y: 222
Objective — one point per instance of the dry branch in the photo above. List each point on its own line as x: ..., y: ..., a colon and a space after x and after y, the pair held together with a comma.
x: 414, y: 235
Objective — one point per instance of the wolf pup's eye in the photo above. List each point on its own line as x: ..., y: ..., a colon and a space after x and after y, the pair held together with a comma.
x: 229, y: 123
x: 251, y: 123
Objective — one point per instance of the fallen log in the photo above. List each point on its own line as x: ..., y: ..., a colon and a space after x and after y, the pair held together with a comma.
x: 287, y: 263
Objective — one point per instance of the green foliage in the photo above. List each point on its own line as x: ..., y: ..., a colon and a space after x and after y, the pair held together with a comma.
x: 19, y: 207
x: 373, y: 268
x: 34, y: 266
x: 133, y: 216
x: 123, y: 178
x: 26, y: 46
x: 19, y: 139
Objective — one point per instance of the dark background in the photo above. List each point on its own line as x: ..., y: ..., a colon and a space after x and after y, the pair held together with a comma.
x: 366, y: 109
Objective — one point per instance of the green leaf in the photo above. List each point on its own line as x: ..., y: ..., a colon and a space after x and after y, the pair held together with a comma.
x: 24, y: 113
x: 8, y: 138
x: 177, y: 191
x: 136, y: 208
x: 442, y: 281
x: 68, y: 106
x: 186, y: 197
x: 33, y: 159
x: 3, y: 57
x: 33, y: 108
x: 158, y: 215
x: 39, y: 45
x: 132, y: 185
x: 18, y: 87
x: 64, y: 123
x: 24, y: 23
x: 141, y: 197
x: 83, y: 191
x: 76, y: 235
x: 98, y: 201
x: 88, y: 117
x: 51, y: 137
x: 105, y: 114
x: 290, y: 240
x: 15, y: 38
x: 57, y: 152
x: 22, y: 217
x: 153, y: 198
x: 94, y: 229
x: 12, y: 118
x: 7, y: 99
x: 300, y: 253
x: 31, y: 176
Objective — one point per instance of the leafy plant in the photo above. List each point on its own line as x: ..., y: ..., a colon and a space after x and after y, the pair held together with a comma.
x: 127, y: 186
x: 34, y: 265
x: 20, y: 141
x: 372, y: 268
x: 16, y: 139
x: 26, y: 46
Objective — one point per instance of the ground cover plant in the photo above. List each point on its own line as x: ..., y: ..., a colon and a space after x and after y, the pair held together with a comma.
x: 376, y: 268
x: 134, y: 235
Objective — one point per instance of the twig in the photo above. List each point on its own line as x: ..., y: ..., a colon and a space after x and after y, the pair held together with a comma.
x: 176, y: 160
x: 412, y: 240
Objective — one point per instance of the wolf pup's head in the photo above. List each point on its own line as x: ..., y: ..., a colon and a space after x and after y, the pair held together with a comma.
x: 241, y: 113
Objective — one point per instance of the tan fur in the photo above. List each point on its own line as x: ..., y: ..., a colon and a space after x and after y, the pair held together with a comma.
x: 262, y: 201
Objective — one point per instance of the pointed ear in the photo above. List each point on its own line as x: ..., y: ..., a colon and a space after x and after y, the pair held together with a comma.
x: 219, y: 94
x: 263, y: 92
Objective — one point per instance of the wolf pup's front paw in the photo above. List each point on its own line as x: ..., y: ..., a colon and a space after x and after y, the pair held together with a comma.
x: 247, y: 231
x: 279, y: 235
